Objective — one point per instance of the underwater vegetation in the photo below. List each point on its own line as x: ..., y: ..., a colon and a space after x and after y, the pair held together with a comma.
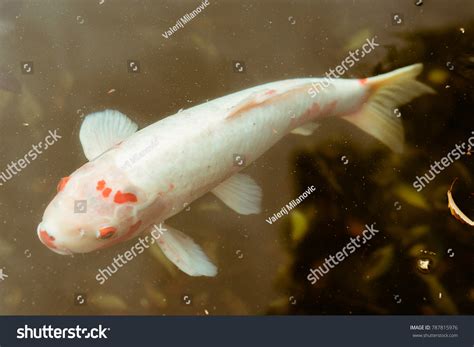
x: 421, y: 261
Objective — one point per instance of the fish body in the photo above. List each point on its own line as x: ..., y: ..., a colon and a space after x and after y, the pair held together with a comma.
x: 136, y: 179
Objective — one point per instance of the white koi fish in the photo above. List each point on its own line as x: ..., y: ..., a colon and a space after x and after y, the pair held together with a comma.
x: 134, y: 180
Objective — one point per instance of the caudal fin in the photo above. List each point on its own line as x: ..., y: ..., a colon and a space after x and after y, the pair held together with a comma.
x: 389, y: 91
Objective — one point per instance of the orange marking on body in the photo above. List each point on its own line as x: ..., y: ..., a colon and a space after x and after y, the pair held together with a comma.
x: 257, y: 101
x: 62, y: 183
x: 105, y: 233
x: 270, y: 92
x: 47, y: 239
x: 100, y: 185
x: 106, y: 192
x: 121, y: 198
x: 363, y: 81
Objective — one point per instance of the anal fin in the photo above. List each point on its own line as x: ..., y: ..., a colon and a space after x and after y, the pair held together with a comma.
x: 182, y: 251
x: 241, y: 193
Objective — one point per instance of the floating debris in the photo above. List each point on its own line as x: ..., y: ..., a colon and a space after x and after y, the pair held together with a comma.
x: 425, y: 265
x: 455, y: 210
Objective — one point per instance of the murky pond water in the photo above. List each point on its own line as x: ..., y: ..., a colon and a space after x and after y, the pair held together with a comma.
x: 61, y: 60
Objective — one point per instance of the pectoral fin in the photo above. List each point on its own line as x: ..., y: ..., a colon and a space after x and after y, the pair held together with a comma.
x: 306, y: 129
x: 185, y: 253
x: 102, y: 130
x: 241, y: 193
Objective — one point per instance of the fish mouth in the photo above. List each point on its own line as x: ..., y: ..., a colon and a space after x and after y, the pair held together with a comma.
x: 49, y: 241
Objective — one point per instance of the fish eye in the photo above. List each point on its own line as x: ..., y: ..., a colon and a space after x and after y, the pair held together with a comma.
x: 106, y: 233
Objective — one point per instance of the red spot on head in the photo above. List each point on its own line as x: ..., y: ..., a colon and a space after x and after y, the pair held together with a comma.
x: 121, y: 198
x: 171, y: 186
x: 62, y: 183
x: 100, y: 185
x: 363, y: 81
x: 105, y: 233
x: 47, y: 239
x: 106, y: 192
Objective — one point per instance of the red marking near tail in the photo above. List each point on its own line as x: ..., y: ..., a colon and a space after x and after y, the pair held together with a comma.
x: 105, y: 233
x: 106, y: 192
x: 62, y: 183
x: 47, y: 239
x: 121, y: 198
x: 329, y: 107
x: 311, y: 113
x: 270, y: 92
x: 100, y: 185
x: 363, y: 81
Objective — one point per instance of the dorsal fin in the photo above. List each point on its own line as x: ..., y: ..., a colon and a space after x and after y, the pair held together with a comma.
x: 102, y: 130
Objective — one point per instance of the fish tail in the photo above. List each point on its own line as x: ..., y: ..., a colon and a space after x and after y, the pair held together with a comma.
x: 378, y: 116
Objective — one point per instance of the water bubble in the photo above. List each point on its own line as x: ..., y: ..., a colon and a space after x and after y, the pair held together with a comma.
x: 344, y: 160
x: 239, y: 254
x: 187, y: 299
x: 292, y: 20
x: 80, y: 19
x: 80, y: 112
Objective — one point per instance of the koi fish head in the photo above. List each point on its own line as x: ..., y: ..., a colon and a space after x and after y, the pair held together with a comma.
x: 91, y: 210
